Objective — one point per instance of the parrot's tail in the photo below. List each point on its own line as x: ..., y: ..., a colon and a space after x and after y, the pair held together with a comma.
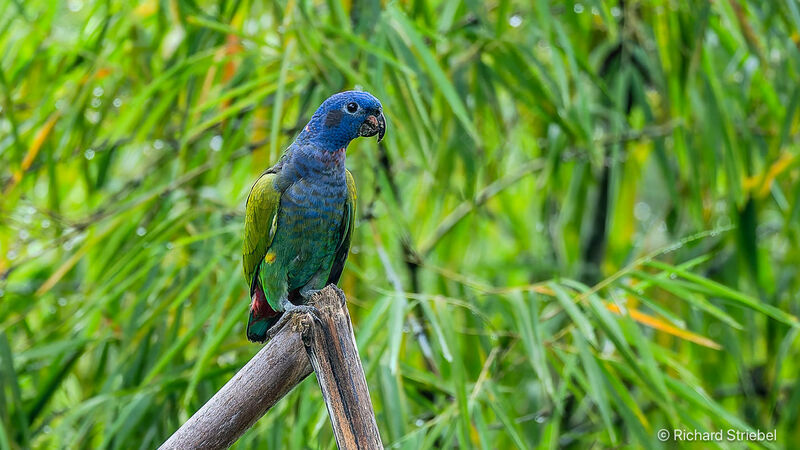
x: 262, y: 316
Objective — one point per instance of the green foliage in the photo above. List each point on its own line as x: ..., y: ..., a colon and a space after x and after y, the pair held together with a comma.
x: 582, y: 226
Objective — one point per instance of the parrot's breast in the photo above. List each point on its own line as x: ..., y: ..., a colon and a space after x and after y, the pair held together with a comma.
x: 310, y: 226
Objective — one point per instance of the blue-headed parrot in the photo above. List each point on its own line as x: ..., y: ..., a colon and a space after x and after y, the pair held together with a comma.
x: 300, y: 212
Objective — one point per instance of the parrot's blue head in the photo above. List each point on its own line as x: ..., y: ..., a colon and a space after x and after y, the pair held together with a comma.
x: 344, y: 117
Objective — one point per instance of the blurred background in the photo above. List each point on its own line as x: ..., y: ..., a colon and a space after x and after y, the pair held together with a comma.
x: 582, y: 226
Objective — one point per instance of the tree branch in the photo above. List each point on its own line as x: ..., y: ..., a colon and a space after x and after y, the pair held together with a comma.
x: 333, y: 353
x: 327, y: 341
x: 274, y: 371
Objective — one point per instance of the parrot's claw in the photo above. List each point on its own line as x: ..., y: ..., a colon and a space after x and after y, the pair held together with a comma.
x: 290, y: 309
x: 342, y: 297
x: 303, y: 309
x: 295, y: 309
x: 288, y: 313
x: 308, y: 293
x: 277, y: 327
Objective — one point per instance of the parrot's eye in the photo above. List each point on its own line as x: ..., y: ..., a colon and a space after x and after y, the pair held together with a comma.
x: 352, y: 107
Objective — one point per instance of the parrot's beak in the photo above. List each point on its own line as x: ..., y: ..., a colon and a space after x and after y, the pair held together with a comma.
x: 372, y: 126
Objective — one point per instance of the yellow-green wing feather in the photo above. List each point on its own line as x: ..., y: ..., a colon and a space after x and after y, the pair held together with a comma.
x: 351, y: 203
x: 349, y: 222
x: 260, y: 223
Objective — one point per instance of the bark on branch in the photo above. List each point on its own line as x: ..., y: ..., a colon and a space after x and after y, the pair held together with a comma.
x: 328, y: 343
x: 332, y: 351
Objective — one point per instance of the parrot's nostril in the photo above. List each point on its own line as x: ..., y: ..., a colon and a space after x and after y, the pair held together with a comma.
x: 373, y: 121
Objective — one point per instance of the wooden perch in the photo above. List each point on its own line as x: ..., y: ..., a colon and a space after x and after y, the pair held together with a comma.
x: 332, y: 350
x: 329, y: 345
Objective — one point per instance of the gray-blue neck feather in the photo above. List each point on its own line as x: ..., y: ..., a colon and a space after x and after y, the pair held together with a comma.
x: 309, y: 160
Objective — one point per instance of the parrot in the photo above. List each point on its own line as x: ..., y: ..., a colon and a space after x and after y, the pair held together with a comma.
x: 300, y: 212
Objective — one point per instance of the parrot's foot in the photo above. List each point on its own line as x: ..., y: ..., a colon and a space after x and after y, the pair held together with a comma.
x: 276, y: 328
x: 308, y: 293
x: 300, y: 309
x: 290, y: 309
x: 340, y: 293
x: 288, y: 312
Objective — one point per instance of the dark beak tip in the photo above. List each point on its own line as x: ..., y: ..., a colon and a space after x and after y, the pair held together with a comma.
x: 381, y: 127
x: 372, y: 126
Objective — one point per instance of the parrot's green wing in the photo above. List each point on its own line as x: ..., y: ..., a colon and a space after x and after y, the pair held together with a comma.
x: 260, y: 224
x: 348, y: 221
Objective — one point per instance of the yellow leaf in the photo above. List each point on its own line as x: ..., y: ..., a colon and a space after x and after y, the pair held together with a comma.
x: 778, y: 167
x: 146, y: 9
x: 658, y: 324
x: 70, y: 263
x: 33, y: 150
